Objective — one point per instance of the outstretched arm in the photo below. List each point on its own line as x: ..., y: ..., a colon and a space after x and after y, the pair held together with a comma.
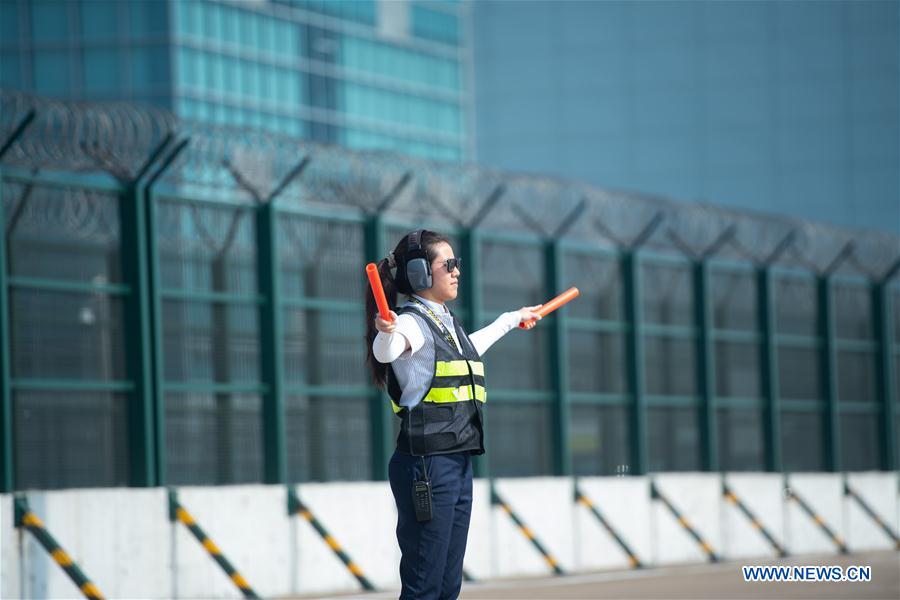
x: 484, y: 338
x: 399, y: 338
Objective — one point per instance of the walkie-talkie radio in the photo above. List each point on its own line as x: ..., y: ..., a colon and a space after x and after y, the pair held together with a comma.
x: 422, y: 496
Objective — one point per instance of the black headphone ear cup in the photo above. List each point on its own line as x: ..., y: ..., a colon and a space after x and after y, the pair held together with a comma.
x: 417, y: 270
x: 418, y: 274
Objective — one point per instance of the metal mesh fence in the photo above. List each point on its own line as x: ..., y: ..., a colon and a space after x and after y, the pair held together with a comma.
x: 194, y: 297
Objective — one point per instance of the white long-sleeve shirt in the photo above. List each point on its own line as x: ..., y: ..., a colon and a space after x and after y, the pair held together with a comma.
x: 414, y: 368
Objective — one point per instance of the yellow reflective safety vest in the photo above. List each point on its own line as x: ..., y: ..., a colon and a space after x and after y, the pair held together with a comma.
x: 449, y: 417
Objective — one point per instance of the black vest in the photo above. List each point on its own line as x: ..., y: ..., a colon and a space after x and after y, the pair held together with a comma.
x: 449, y: 417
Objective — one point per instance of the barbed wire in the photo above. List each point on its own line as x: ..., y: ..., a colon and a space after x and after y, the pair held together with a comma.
x: 247, y: 167
x: 111, y: 137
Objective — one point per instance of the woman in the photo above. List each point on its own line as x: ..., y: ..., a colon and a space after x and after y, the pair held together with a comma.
x: 433, y: 373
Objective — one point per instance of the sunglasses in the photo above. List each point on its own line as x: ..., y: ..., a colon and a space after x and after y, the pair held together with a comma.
x: 452, y: 264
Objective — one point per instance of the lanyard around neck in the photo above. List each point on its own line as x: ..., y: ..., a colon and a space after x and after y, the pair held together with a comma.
x: 437, y: 321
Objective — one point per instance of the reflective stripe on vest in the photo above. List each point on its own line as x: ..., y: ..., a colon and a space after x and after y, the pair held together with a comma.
x: 452, y: 382
x: 458, y: 367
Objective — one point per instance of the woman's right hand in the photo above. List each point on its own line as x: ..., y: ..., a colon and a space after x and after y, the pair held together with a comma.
x: 386, y: 326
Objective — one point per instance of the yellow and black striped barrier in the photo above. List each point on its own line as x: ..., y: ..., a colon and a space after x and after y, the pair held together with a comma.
x: 754, y: 521
x: 871, y: 512
x: 496, y: 499
x: 582, y: 499
x: 838, y: 541
x: 178, y: 513
x: 710, y: 553
x: 296, y: 507
x: 30, y: 521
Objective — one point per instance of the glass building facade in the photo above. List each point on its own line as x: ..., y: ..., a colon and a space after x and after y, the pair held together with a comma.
x: 359, y: 73
x: 786, y: 107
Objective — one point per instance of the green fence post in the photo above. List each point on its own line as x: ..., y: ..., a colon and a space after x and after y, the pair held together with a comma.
x: 470, y: 241
x: 271, y: 351
x: 559, y: 362
x: 881, y: 300
x: 144, y: 190
x: 271, y: 330
x: 828, y: 366
x: 139, y: 354
x: 559, y: 344
x: 634, y: 346
x: 471, y: 254
x: 635, y: 354
x: 7, y: 445
x: 768, y: 353
x: 380, y: 413
x: 709, y: 445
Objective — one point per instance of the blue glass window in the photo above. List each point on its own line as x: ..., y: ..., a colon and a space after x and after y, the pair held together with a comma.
x: 282, y: 84
x: 217, y: 72
x: 52, y: 72
x: 399, y: 63
x: 249, y: 30
x: 101, y: 69
x: 99, y: 19
x: 434, y: 25
x: 266, y: 34
x: 49, y: 21
x: 251, y: 79
x: 149, y: 66
x: 9, y: 21
x: 186, y: 69
x: 285, y: 39
x: 10, y: 70
x: 231, y: 25
x: 189, y: 17
x: 212, y: 21
x: 147, y: 16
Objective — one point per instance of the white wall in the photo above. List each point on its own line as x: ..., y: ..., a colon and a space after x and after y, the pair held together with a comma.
x: 625, y: 504
x: 124, y: 542
x: 879, y: 492
x: 763, y: 495
x: 10, y: 586
x: 362, y: 518
x: 697, y: 497
x: 544, y: 504
x: 112, y: 534
x: 824, y: 493
x: 481, y: 560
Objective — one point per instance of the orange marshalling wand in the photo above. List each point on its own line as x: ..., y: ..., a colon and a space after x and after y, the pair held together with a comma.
x: 552, y: 305
x: 378, y: 292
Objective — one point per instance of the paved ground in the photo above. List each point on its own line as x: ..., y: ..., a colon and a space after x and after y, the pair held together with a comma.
x: 695, y: 581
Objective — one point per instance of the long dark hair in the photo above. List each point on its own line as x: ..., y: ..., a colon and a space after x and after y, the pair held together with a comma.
x: 429, y: 240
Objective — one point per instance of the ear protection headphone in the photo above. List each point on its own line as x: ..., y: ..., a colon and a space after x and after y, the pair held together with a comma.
x: 414, y: 273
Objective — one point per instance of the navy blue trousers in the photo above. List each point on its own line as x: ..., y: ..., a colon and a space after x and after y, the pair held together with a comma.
x: 431, y: 563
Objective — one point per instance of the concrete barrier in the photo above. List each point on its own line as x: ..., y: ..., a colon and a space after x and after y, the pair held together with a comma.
x: 481, y: 552
x: 246, y: 523
x: 874, y: 493
x: 698, y: 499
x: 823, y: 493
x: 625, y: 504
x: 125, y: 543
x: 362, y: 518
x: 762, y: 494
x: 10, y: 586
x: 114, y: 536
x: 545, y: 505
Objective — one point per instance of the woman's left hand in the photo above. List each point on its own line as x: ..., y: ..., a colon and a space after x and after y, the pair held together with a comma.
x: 528, y: 316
